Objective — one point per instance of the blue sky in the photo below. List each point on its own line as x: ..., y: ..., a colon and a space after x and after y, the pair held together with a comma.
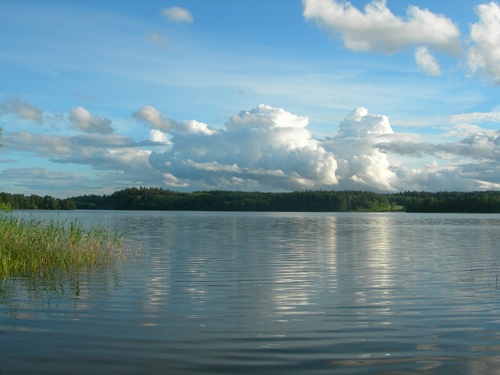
x: 268, y: 95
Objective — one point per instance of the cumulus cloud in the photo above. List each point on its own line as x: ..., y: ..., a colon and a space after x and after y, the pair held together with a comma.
x: 379, y: 30
x: 360, y: 124
x: 84, y: 121
x: 360, y: 163
x: 266, y: 147
x: 177, y: 14
x: 158, y: 136
x: 484, y: 55
x: 427, y: 62
x: 150, y: 115
x: 21, y: 109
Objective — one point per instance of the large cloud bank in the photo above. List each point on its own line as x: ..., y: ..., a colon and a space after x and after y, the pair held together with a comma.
x: 265, y: 149
x: 271, y: 149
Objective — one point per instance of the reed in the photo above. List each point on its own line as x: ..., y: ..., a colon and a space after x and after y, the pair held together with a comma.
x: 35, y: 246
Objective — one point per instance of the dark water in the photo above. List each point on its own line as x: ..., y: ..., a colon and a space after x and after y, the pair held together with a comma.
x: 270, y: 293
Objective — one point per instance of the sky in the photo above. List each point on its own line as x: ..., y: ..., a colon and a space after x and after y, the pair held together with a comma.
x: 251, y: 95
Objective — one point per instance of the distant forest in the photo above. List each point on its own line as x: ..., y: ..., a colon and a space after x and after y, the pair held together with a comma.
x: 34, y: 202
x: 304, y: 201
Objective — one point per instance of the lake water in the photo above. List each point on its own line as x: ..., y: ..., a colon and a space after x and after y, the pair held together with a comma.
x: 267, y: 293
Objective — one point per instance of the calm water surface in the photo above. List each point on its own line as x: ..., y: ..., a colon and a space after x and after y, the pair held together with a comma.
x: 270, y: 293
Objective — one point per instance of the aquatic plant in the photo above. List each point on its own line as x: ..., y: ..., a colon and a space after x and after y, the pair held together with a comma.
x: 5, y: 207
x: 37, y: 246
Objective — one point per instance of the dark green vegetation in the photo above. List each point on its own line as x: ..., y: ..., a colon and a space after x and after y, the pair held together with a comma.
x: 33, y: 202
x: 305, y: 201
x: 34, y: 246
x: 159, y: 199
x: 453, y: 202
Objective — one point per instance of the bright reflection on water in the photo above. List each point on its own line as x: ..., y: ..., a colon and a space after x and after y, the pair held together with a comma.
x: 227, y: 293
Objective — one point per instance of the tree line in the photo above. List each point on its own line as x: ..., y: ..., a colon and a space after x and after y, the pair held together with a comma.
x: 155, y: 198
x: 304, y: 201
x: 34, y: 202
x: 217, y: 200
x: 453, y: 202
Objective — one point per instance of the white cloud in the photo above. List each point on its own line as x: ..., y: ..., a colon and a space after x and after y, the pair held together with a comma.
x: 84, y: 121
x: 158, y: 136
x: 266, y: 147
x: 435, y: 177
x: 427, y: 62
x: 379, y: 30
x: 481, y: 146
x: 177, y: 14
x: 21, y: 109
x: 360, y: 163
x: 150, y: 115
x: 360, y: 124
x: 475, y: 118
x: 484, y: 55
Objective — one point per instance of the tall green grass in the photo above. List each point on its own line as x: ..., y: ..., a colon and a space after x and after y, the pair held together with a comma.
x: 35, y: 246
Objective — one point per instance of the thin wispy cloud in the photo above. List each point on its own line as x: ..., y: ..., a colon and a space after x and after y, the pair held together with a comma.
x: 475, y: 118
x: 160, y: 40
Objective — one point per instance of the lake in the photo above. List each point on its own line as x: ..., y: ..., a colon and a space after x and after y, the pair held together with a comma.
x: 267, y: 293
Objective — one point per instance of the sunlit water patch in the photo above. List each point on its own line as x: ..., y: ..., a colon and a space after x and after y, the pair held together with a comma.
x: 289, y: 293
